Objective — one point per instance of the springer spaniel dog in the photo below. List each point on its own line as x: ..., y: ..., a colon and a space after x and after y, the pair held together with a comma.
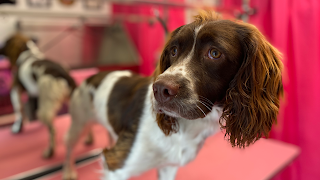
x: 47, y: 84
x: 212, y: 74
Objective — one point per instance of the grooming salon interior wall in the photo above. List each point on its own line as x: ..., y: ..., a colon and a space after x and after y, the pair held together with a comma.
x: 85, y: 37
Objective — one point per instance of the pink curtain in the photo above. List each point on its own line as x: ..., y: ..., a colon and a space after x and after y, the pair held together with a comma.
x: 293, y: 26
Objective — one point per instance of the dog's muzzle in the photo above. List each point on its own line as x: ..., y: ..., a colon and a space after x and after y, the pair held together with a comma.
x: 165, y: 91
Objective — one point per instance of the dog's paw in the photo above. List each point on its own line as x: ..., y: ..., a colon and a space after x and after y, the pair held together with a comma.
x: 17, y: 126
x: 48, y: 153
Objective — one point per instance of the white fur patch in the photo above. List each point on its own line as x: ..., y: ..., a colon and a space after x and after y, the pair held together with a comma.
x: 15, y: 100
x: 23, y: 56
x: 101, y: 97
x: 25, y: 76
x: 196, y: 31
x: 167, y: 173
x: 35, y: 50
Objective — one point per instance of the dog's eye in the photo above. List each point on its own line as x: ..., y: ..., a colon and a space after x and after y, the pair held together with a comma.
x: 174, y: 51
x: 214, y: 54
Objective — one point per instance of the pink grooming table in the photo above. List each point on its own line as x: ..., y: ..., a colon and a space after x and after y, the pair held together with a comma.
x: 219, y: 161
x: 22, y: 153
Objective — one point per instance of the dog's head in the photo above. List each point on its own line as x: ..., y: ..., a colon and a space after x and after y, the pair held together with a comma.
x: 13, y: 47
x: 219, y: 62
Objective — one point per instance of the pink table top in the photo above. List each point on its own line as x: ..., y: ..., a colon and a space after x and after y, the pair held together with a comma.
x: 219, y: 161
x: 20, y: 153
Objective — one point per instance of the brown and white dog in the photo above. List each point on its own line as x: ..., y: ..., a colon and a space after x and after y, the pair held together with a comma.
x: 43, y: 80
x: 210, y: 70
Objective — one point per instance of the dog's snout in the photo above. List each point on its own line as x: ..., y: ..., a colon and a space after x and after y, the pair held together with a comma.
x: 164, y: 91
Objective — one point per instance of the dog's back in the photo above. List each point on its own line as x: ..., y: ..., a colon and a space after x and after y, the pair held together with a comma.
x: 116, y: 99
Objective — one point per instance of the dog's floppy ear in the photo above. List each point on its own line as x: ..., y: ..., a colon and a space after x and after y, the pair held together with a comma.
x: 252, y: 100
x: 14, y: 46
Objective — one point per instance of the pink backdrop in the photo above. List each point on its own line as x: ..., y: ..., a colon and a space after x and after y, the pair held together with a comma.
x: 293, y: 26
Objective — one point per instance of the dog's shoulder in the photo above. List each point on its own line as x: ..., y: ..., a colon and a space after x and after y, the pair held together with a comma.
x: 126, y: 101
x: 96, y: 79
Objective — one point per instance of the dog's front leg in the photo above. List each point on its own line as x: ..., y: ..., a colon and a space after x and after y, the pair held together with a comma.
x: 167, y: 173
x: 16, y: 101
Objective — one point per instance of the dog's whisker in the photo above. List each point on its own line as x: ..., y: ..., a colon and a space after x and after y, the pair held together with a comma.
x: 208, y: 106
x: 203, y: 103
x: 201, y: 110
x: 207, y: 100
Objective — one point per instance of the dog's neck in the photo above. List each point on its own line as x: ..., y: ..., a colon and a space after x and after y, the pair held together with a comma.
x: 32, y: 52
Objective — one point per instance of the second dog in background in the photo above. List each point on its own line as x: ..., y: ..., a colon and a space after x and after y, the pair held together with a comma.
x: 45, y: 81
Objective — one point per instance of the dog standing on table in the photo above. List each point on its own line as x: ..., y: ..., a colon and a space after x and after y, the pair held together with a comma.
x: 210, y: 70
x: 43, y: 80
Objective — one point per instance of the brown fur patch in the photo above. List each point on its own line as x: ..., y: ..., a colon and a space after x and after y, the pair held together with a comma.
x: 14, y: 46
x: 167, y: 124
x: 206, y: 16
x: 125, y: 107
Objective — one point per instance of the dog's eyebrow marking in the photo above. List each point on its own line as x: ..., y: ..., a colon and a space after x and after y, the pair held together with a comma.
x: 195, y: 34
x: 181, y: 67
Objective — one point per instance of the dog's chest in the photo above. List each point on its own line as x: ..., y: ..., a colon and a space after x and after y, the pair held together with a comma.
x: 182, y: 147
x: 152, y: 149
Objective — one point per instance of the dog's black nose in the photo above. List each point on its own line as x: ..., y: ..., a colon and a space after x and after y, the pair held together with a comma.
x: 165, y: 91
